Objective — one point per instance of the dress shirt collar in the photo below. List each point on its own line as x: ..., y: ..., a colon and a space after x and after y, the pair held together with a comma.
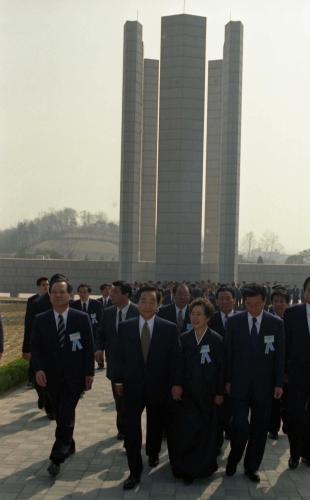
x: 223, y: 316
x: 258, y: 321
x: 150, y: 322
x: 124, y: 311
x: 199, y: 341
x: 86, y: 302
x: 308, y: 309
x: 183, y: 310
x: 64, y: 315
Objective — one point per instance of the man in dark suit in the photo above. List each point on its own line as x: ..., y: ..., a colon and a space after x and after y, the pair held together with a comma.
x: 178, y: 311
x: 105, y: 299
x: 42, y: 288
x: 148, y: 369
x: 255, y: 374
x: 297, y: 330
x: 62, y: 352
x: 225, y: 301
x: 106, y: 338
x: 38, y: 305
x: 280, y: 301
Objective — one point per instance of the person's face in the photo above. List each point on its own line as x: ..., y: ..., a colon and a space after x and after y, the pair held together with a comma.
x: 225, y: 302
x: 59, y: 295
x: 43, y: 287
x: 198, y: 318
x: 279, y: 305
x: 254, y: 305
x: 148, y: 305
x: 307, y: 293
x: 182, y: 296
x: 105, y: 292
x: 118, y: 299
x: 83, y: 293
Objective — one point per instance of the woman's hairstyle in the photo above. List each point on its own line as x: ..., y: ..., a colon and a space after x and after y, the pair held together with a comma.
x: 205, y: 304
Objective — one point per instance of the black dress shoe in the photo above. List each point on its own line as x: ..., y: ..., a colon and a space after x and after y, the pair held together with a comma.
x: 306, y: 461
x: 131, y: 482
x: 253, y: 476
x: 273, y: 435
x: 230, y: 469
x: 120, y: 436
x: 293, y: 463
x: 53, y: 469
x: 153, y: 461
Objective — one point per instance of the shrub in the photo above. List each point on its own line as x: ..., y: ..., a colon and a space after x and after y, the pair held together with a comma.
x: 13, y: 374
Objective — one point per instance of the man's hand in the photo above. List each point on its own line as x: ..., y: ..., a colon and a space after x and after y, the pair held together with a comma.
x: 278, y: 391
x: 218, y: 400
x: 99, y: 356
x: 88, y: 382
x: 119, y: 389
x: 41, y: 378
x: 176, y: 392
x: 27, y: 356
x: 228, y: 388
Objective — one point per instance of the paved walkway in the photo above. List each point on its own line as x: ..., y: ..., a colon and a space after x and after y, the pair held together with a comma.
x: 99, y: 466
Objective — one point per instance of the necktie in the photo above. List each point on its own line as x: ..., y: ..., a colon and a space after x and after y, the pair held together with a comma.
x: 254, y: 334
x: 84, y: 307
x: 61, y: 330
x: 225, y: 321
x: 120, y: 317
x: 180, y: 321
x: 145, y: 341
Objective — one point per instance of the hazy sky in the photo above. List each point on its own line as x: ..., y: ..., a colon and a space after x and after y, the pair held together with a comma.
x: 60, y: 105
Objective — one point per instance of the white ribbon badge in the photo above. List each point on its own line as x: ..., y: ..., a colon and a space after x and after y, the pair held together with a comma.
x: 269, y: 344
x: 75, y: 339
x: 205, y: 357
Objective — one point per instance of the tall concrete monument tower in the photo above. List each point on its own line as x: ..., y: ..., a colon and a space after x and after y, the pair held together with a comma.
x: 181, y: 142
x: 132, y: 118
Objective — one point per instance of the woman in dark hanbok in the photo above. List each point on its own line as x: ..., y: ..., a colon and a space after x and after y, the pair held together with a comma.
x: 193, y: 433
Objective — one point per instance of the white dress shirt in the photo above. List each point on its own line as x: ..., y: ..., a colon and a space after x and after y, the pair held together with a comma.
x: 87, y: 304
x: 258, y: 321
x: 150, y: 323
x: 64, y: 315
x: 183, y: 311
x: 223, y: 316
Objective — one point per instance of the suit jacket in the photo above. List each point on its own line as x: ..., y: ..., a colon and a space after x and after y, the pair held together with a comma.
x: 1, y: 336
x: 36, y: 304
x: 255, y: 374
x: 94, y: 312
x: 66, y: 365
x: 170, y: 314
x: 151, y: 381
x: 106, y: 334
x: 104, y: 305
x: 216, y: 323
x: 297, y: 344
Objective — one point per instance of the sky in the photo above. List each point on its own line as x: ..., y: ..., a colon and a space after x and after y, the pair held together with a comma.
x: 60, y: 105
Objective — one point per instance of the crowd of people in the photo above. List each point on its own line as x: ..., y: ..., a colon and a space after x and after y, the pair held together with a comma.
x: 206, y: 361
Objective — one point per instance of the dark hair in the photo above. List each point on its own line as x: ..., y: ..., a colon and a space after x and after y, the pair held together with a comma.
x: 124, y: 287
x: 307, y: 280
x: 84, y: 285
x: 224, y: 288
x: 61, y: 280
x: 149, y: 289
x: 104, y: 285
x: 280, y: 292
x: 40, y: 280
x: 177, y: 285
x: 252, y: 290
x: 58, y: 277
x: 205, y: 304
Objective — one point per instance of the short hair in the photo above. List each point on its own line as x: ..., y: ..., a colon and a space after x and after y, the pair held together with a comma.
x: 104, y: 285
x: 149, y: 289
x: 224, y: 288
x: 205, y: 304
x: 125, y: 287
x: 177, y: 285
x: 61, y: 280
x: 58, y: 277
x: 84, y: 285
x: 280, y: 292
x: 252, y: 290
x: 40, y: 280
x: 307, y: 280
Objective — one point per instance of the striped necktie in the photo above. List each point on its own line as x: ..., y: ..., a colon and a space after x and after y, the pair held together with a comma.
x: 61, y: 331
